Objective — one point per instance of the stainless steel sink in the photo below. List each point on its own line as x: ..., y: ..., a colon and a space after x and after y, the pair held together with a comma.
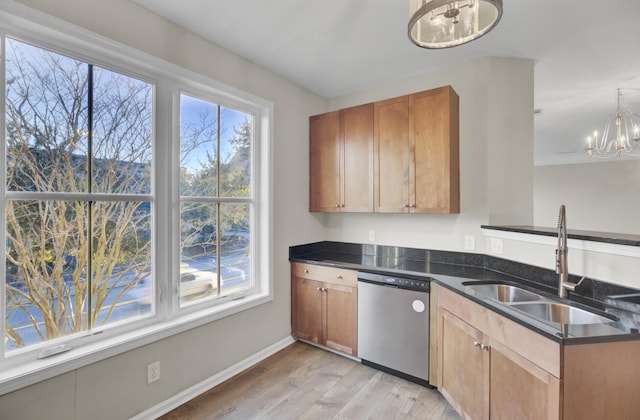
x: 504, y: 293
x: 560, y: 313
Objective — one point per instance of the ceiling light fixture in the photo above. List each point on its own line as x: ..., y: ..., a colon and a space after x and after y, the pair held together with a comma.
x: 447, y: 23
x: 625, y: 134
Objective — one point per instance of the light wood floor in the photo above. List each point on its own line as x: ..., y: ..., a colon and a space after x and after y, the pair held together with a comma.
x: 305, y: 382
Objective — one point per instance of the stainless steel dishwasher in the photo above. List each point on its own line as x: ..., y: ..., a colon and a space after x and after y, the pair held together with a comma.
x: 393, y: 325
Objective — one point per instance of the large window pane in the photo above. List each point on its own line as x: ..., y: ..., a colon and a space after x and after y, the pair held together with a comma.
x: 204, y: 227
x: 198, y: 147
x: 74, y: 262
x: 121, y: 280
x: 47, y: 293
x: 235, y: 241
x: 46, y: 288
x: 216, y: 156
x: 46, y: 120
x: 236, y: 130
x: 122, y: 133
x: 198, y: 252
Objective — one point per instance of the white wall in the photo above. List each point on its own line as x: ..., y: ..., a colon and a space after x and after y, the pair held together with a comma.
x: 602, y: 196
x: 116, y: 388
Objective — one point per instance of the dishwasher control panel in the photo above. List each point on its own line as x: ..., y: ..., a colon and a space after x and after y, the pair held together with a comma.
x: 421, y: 284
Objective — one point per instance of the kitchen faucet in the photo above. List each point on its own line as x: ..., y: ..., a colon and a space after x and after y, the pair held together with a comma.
x: 562, y: 266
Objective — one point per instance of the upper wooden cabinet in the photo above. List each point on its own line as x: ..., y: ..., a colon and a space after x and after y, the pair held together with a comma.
x: 399, y: 155
x: 341, y: 160
x: 416, y: 153
x: 391, y: 155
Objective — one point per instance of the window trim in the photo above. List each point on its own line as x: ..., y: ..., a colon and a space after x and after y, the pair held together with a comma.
x: 205, y: 94
x: 28, y: 25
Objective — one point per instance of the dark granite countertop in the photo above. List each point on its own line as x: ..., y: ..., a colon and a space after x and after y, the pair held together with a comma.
x: 452, y: 269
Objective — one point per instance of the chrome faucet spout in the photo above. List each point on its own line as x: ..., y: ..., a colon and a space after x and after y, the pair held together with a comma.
x: 562, y: 251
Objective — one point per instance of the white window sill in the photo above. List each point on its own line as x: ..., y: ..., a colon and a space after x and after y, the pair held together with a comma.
x: 38, y: 370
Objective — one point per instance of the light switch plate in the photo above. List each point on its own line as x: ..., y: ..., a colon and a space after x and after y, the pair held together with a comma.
x: 470, y: 243
x: 496, y: 245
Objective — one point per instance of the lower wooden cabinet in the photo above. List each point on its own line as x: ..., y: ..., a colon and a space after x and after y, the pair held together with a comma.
x: 324, y: 306
x: 519, y: 389
x: 464, y: 368
x: 489, y: 367
x: 484, y: 379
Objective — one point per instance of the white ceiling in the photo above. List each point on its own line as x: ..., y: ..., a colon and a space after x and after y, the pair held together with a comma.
x: 584, y: 50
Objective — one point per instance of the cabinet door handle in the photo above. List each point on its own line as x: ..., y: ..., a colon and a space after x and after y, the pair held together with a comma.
x: 319, y: 289
x: 480, y: 345
x: 339, y: 277
x: 337, y: 206
x: 412, y: 205
x: 405, y: 206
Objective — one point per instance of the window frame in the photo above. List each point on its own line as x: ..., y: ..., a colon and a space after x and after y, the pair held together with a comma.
x: 204, y: 94
x: 24, y: 368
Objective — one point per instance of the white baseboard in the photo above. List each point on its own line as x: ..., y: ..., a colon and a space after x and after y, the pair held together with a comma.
x: 203, y: 386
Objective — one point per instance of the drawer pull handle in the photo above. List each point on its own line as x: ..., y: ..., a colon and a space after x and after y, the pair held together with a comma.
x: 339, y: 276
x: 306, y: 271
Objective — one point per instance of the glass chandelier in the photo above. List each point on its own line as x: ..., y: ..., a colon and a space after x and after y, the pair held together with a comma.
x: 447, y: 23
x: 621, y: 134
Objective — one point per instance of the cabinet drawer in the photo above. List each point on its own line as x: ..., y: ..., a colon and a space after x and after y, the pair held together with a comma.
x: 325, y: 274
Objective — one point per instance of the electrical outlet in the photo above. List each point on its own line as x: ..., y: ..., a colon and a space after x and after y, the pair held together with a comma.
x: 372, y: 236
x: 470, y: 243
x: 496, y: 245
x: 153, y: 372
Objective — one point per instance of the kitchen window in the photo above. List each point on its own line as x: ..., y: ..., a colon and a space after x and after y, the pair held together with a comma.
x: 78, y: 195
x: 136, y: 200
x: 215, y: 200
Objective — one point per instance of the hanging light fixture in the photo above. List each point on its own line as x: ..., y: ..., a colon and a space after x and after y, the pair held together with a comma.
x: 447, y: 23
x: 621, y: 134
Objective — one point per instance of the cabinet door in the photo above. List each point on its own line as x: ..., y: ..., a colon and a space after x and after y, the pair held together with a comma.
x: 306, y: 309
x: 433, y: 138
x: 521, y: 389
x: 324, y: 162
x: 341, y: 331
x: 463, y: 368
x: 357, y: 171
x: 391, y: 155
